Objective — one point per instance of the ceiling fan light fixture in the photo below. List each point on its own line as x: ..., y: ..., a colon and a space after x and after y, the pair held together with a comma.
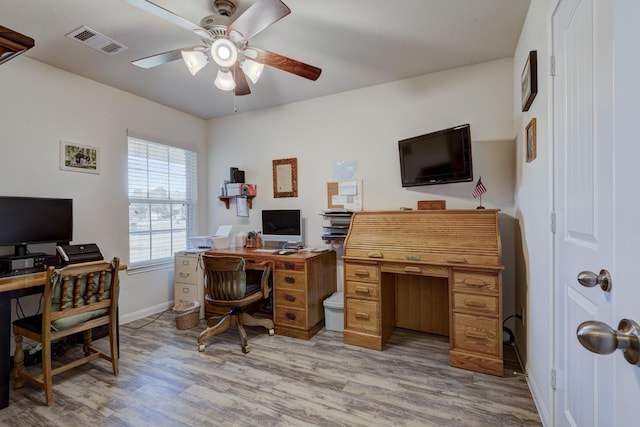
x: 252, y: 69
x: 195, y: 60
x: 224, y: 52
x: 224, y: 80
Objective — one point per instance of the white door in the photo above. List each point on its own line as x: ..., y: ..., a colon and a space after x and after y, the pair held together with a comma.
x: 583, y: 186
x: 596, y: 167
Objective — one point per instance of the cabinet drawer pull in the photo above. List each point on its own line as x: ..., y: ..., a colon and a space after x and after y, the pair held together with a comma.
x: 290, y: 279
x: 476, y: 334
x: 289, y: 265
x: 183, y: 274
x: 289, y: 298
x: 410, y: 269
x: 362, y: 290
x: 474, y: 303
x: 374, y: 255
x: 361, y: 273
x: 185, y: 262
x: 290, y: 316
x: 360, y: 315
x: 476, y: 283
x: 185, y: 290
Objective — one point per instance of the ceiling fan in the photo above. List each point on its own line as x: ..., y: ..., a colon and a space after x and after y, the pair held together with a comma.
x: 226, y: 43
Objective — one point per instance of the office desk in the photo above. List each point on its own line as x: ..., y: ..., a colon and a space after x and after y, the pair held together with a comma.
x: 301, y: 282
x: 13, y: 287
x: 457, y: 251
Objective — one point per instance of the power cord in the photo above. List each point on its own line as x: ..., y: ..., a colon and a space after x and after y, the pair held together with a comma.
x: 510, y: 336
x: 148, y: 323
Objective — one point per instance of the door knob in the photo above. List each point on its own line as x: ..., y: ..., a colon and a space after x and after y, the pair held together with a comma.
x: 600, y: 338
x: 590, y: 279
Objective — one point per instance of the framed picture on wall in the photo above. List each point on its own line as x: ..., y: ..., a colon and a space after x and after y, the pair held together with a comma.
x: 529, y: 80
x: 530, y: 135
x: 285, y: 178
x: 79, y: 158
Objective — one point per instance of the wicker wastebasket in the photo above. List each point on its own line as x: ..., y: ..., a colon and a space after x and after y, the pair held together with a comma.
x: 187, y: 314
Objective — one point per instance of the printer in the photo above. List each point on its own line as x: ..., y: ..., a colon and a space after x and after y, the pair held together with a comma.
x: 74, y: 254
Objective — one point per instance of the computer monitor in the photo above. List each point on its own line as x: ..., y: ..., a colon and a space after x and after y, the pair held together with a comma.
x: 282, y: 225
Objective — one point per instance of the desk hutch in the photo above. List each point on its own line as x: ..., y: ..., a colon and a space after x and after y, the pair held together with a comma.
x: 451, y: 258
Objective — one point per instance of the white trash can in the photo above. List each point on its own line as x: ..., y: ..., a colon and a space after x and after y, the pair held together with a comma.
x: 334, y: 312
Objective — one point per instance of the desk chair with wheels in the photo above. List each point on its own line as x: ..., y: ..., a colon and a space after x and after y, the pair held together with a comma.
x: 77, y: 298
x: 227, y: 288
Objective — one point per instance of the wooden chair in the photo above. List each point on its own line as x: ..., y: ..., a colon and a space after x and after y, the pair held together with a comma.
x: 227, y: 288
x: 77, y: 298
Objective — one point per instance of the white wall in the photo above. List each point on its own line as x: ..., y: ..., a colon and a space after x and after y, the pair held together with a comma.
x: 365, y: 125
x: 533, y: 205
x: 42, y: 105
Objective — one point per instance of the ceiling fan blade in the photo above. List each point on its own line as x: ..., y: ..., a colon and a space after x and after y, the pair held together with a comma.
x: 242, y: 86
x: 162, y: 58
x: 169, y: 16
x: 258, y: 17
x: 283, y: 63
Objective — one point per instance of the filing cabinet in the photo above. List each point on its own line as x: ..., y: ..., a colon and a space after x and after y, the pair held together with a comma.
x: 188, y: 283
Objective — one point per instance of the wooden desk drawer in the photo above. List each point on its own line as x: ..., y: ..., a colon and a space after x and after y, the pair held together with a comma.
x: 290, y: 280
x: 475, y: 281
x: 186, y: 270
x: 362, y: 316
x: 290, y: 298
x: 288, y: 316
x: 362, y: 289
x: 475, y: 303
x: 476, y: 334
x: 361, y: 272
x: 424, y: 270
x: 289, y: 265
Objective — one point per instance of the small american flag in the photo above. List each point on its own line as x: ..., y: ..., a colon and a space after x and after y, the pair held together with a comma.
x: 480, y: 189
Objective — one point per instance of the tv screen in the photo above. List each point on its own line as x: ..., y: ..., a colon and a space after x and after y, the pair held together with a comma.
x: 437, y: 157
x: 28, y: 220
x: 282, y: 225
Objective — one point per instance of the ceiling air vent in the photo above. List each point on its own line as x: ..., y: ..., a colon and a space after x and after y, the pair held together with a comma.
x: 95, y: 40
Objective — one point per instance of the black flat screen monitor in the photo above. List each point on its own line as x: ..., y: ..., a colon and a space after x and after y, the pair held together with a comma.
x: 436, y: 158
x: 282, y: 225
x: 30, y: 220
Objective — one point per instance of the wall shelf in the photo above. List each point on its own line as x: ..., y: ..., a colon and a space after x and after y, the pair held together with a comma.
x: 226, y: 199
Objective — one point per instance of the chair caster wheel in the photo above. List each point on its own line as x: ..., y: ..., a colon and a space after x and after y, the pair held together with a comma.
x: 201, y: 347
x: 245, y: 349
x: 271, y: 332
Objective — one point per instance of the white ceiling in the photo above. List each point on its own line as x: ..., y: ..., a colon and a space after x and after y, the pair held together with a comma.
x: 356, y: 43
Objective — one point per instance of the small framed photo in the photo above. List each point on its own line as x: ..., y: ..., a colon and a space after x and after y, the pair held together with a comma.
x: 529, y: 80
x: 530, y: 134
x: 79, y: 158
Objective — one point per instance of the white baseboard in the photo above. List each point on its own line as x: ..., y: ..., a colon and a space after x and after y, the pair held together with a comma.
x: 147, y: 311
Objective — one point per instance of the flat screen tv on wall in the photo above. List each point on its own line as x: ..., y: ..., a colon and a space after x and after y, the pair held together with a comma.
x: 437, y: 157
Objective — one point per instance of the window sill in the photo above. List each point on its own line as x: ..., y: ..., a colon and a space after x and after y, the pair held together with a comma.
x: 145, y: 267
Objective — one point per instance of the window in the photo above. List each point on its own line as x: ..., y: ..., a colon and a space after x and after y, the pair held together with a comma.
x: 162, y: 201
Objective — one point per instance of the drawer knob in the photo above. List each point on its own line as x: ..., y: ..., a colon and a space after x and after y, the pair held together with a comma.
x: 289, y: 298
x: 290, y: 279
x: 290, y: 316
x: 362, y: 290
x: 289, y: 265
x: 475, y: 303
x: 360, y: 315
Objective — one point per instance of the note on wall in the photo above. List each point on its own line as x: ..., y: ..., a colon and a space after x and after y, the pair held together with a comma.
x: 345, y: 195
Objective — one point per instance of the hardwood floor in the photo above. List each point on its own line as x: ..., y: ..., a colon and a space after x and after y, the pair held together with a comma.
x: 165, y: 381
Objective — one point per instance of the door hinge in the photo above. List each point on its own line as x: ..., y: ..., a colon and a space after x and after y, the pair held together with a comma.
x: 553, y: 379
x: 552, y: 65
x: 552, y: 222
